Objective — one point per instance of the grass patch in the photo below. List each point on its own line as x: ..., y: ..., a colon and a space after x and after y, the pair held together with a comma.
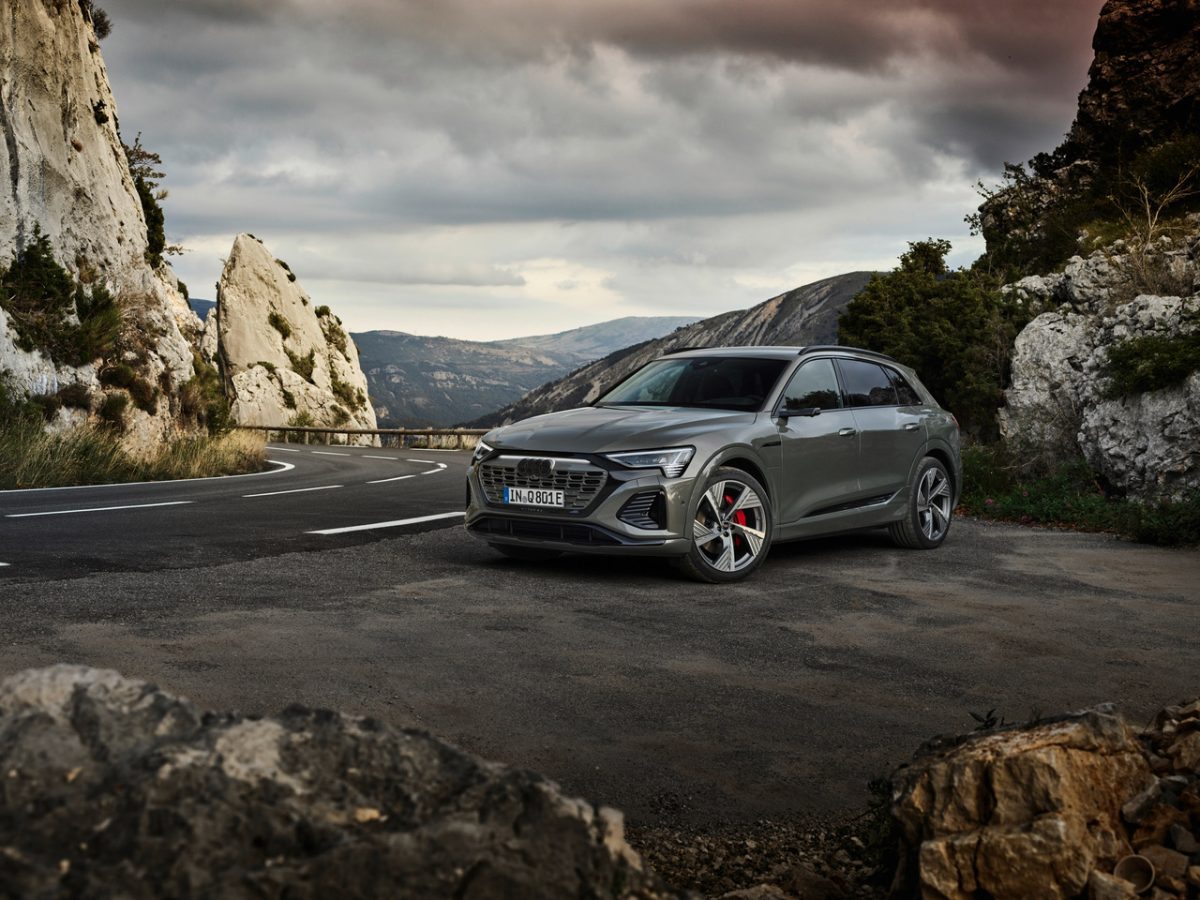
x: 994, y: 487
x: 269, y: 366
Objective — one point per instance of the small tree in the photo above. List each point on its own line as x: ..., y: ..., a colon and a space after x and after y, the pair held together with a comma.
x: 145, y: 167
x: 101, y: 23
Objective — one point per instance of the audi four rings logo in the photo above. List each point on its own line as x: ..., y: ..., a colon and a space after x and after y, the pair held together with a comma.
x: 535, y: 468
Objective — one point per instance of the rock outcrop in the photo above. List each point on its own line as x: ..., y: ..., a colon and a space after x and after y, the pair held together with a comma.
x: 1147, y: 444
x: 284, y: 360
x: 110, y: 784
x: 1051, y: 809
x: 67, y: 178
x: 806, y: 315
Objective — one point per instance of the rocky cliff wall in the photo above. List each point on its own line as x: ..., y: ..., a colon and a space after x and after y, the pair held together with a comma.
x: 65, y: 175
x: 284, y: 360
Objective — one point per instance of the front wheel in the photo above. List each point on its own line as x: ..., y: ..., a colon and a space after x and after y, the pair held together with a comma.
x: 930, y: 506
x: 731, y: 529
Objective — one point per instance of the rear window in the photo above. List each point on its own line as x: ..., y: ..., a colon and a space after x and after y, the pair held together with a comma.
x: 735, y: 383
x: 866, y: 384
x: 904, y: 391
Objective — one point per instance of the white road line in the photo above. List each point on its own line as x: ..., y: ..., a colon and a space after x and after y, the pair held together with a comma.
x: 425, y: 462
x: 67, y: 512
x: 367, y: 456
x: 286, y: 449
x: 5, y: 565
x: 324, y: 487
x: 432, y: 471
x: 283, y: 467
x: 386, y: 480
x: 328, y: 453
x: 395, y: 524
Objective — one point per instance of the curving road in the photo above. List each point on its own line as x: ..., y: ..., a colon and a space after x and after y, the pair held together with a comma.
x: 312, y: 498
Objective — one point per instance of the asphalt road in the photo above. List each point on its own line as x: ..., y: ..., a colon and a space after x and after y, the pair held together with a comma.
x: 780, y: 696
x: 69, y: 532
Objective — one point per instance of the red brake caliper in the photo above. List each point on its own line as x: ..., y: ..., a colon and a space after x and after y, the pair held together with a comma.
x: 739, y: 517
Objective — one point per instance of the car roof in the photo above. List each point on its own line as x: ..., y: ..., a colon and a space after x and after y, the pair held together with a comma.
x: 775, y: 352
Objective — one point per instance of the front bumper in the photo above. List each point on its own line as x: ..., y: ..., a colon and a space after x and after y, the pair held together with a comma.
x: 599, y: 526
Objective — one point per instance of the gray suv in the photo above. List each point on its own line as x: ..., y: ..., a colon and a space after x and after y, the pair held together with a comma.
x: 710, y: 456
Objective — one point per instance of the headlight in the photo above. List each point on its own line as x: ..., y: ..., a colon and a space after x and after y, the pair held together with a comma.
x: 481, y: 450
x: 672, y: 462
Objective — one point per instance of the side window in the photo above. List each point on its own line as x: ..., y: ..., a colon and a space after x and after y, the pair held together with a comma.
x: 814, y: 384
x: 904, y: 390
x: 866, y: 384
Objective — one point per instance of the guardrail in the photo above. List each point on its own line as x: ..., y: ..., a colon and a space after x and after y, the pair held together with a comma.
x: 435, y: 438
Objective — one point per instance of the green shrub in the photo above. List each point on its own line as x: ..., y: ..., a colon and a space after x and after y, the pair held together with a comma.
x: 101, y: 23
x: 156, y: 237
x: 202, y: 398
x: 303, y: 365
x: 1151, y: 362
x: 280, y: 324
x: 286, y: 268
x: 75, y: 396
x: 112, y: 410
x: 334, y: 335
x: 289, y: 399
x: 343, y: 391
x: 340, y: 416
x: 323, y: 311
x: 40, y: 295
x: 117, y: 375
x: 269, y: 366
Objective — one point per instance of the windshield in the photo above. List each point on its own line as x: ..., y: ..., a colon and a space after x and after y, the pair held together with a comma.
x: 711, y: 382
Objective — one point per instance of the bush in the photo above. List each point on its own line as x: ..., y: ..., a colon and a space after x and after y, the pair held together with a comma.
x: 323, y: 311
x: 303, y: 365
x: 75, y: 396
x: 289, y: 399
x: 112, y: 410
x: 202, y: 398
x: 286, y: 268
x: 1070, y: 497
x: 334, y: 335
x: 280, y: 324
x: 40, y: 296
x: 1151, y: 362
x: 101, y: 23
x: 269, y: 366
x: 954, y: 328
x: 344, y: 392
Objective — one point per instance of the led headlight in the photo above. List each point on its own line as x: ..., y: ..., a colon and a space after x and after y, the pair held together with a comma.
x: 481, y: 450
x: 672, y: 461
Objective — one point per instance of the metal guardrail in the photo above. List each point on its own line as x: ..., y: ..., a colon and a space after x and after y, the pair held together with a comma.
x: 461, y: 438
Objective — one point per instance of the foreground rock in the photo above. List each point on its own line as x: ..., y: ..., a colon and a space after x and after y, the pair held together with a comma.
x: 1145, y: 444
x: 113, y: 787
x: 285, y: 361
x: 1049, y: 809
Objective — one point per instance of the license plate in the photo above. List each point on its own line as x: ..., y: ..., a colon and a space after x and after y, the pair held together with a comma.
x: 516, y: 496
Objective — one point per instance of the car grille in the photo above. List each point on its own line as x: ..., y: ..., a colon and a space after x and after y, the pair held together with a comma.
x: 559, y: 532
x: 580, y: 483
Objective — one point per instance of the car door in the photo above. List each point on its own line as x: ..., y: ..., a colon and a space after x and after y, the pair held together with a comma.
x: 819, y: 443
x: 889, y: 435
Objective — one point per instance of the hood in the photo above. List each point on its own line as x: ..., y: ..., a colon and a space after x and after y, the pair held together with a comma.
x: 608, y: 429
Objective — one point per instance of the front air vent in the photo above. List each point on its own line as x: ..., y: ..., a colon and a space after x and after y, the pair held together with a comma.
x: 645, y: 510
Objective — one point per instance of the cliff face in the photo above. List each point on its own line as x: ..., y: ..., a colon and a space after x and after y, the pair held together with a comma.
x: 65, y: 175
x: 285, y: 361
x: 806, y: 315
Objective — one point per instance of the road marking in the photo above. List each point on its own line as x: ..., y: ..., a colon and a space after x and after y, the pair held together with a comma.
x: 386, y: 480
x: 396, y: 524
x: 67, y: 512
x: 328, y: 453
x: 324, y: 487
x: 367, y: 456
x: 424, y: 462
x: 432, y: 471
x: 5, y: 565
x: 286, y: 449
x: 283, y: 467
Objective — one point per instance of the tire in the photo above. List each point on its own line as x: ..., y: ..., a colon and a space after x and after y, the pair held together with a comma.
x: 926, y: 521
x: 526, y: 554
x: 739, y: 526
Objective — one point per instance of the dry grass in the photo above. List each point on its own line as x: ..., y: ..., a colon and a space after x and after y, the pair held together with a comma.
x: 31, y: 458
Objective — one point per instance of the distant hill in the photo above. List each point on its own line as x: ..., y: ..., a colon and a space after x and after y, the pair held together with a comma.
x: 806, y: 315
x: 417, y: 381
x: 201, y: 307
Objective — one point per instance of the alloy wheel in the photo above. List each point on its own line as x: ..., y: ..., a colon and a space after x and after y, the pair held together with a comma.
x: 933, y: 503
x: 730, y: 528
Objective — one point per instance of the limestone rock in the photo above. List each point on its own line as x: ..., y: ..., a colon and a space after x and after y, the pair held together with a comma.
x: 283, y: 363
x: 1148, y: 444
x: 1020, y: 813
x: 68, y: 177
x: 109, y: 781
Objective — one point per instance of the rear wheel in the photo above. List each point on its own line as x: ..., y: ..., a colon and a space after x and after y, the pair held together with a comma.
x: 526, y: 554
x: 930, y: 506
x: 731, y: 529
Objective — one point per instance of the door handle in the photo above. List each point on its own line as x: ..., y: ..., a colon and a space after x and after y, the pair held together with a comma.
x: 911, y: 426
x: 848, y: 432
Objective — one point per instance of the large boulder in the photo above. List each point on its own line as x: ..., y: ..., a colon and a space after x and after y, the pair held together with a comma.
x: 1145, y: 444
x: 112, y: 787
x: 68, y: 178
x: 285, y: 360
x: 1019, y: 813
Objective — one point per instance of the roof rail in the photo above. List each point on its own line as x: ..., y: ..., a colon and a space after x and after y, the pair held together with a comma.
x: 843, y: 348
x: 684, y: 350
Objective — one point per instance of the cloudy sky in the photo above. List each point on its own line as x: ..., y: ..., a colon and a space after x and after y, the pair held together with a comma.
x: 492, y: 168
